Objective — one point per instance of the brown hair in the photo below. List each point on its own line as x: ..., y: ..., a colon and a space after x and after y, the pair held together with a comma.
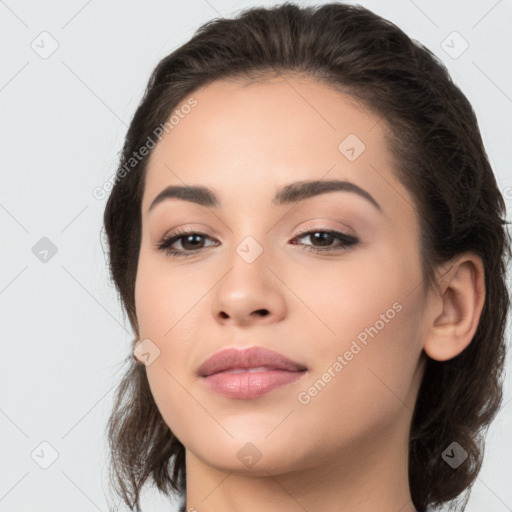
x: 439, y: 156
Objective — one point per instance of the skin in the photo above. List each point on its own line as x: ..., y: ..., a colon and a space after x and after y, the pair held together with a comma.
x: 347, y: 448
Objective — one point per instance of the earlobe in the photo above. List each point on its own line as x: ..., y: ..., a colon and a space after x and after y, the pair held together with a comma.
x: 458, y: 306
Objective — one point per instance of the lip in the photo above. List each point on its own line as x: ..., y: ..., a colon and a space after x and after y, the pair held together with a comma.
x: 266, y: 370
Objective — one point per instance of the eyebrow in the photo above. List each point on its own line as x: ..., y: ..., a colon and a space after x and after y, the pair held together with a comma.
x: 290, y: 193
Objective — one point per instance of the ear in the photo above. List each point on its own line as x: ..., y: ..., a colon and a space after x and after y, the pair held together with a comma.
x: 455, y: 308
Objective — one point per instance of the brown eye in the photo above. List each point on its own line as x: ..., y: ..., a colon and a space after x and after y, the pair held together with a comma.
x: 322, y: 240
x: 191, y: 242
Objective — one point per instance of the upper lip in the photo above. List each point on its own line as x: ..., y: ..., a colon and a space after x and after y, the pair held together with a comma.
x: 231, y: 359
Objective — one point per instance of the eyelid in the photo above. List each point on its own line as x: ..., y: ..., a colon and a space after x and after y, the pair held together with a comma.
x: 188, y: 228
x: 317, y: 228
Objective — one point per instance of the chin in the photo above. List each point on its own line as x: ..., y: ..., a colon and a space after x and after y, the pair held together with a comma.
x: 246, y: 455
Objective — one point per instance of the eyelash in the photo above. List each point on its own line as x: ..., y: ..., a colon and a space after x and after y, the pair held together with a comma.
x: 165, y: 243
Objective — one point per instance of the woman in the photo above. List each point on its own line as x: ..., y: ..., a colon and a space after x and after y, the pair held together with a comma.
x: 308, y: 240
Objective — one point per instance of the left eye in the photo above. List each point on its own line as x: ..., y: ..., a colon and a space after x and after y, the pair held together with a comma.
x: 191, y: 242
x: 326, y: 238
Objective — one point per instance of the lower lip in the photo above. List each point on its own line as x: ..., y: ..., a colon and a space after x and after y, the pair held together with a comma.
x: 250, y: 384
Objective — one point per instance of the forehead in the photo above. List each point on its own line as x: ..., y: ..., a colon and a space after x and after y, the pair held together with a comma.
x: 279, y: 112
x: 253, y: 136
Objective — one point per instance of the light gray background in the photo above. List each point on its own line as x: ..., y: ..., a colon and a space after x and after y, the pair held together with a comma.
x: 63, y: 120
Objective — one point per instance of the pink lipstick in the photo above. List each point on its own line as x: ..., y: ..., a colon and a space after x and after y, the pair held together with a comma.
x: 248, y: 373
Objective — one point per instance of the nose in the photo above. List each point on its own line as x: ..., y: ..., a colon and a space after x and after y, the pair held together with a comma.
x: 249, y: 293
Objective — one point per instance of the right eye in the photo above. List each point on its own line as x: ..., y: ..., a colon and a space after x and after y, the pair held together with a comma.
x: 187, y: 238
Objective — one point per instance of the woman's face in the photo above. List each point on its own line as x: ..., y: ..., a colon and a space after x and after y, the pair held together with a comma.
x: 256, y: 276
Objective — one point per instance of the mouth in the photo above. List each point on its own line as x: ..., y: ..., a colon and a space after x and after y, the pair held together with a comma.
x: 249, y: 373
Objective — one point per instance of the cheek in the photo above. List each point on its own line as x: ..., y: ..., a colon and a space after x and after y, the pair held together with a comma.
x: 366, y: 386
x: 365, y: 296
x: 160, y: 305
x: 374, y: 314
x: 165, y: 300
